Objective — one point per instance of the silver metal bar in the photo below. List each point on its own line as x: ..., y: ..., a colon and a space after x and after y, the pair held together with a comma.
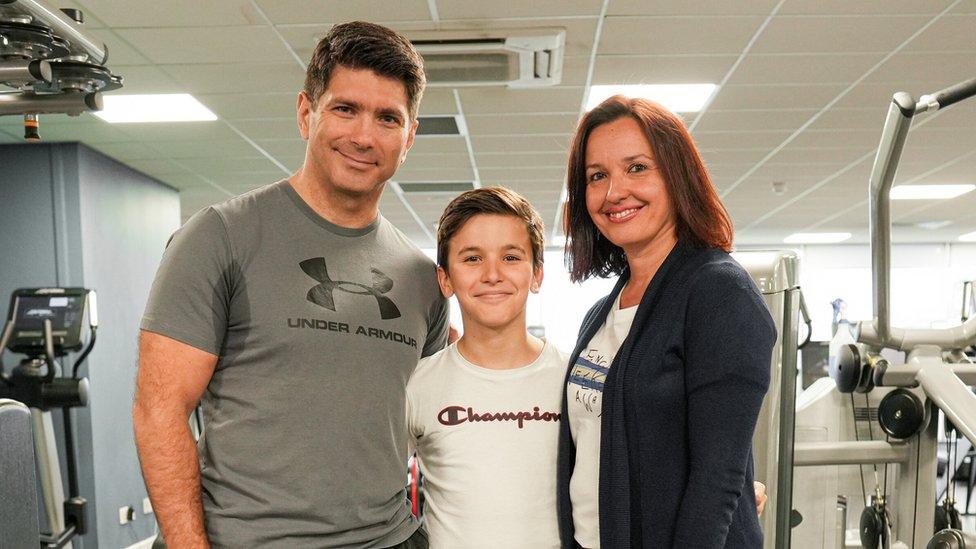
x: 951, y: 395
x: 25, y: 71
x: 783, y: 499
x: 46, y: 450
x: 66, y: 28
x: 893, y: 137
x: 55, y: 103
x: 840, y: 541
x: 906, y: 375
x: 808, y: 454
x: 957, y: 337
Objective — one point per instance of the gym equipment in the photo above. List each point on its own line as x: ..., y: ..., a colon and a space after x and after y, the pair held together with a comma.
x: 46, y: 324
x: 18, y: 502
x: 776, y: 273
x: 51, y: 64
x: 835, y: 417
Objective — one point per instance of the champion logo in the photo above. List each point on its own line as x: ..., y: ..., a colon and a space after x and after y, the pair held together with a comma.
x: 456, y: 415
x: 322, y: 294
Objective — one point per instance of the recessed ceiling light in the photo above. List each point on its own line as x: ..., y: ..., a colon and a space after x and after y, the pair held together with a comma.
x: 968, y: 237
x: 816, y: 238
x: 168, y: 107
x: 933, y: 225
x: 677, y: 97
x: 929, y: 192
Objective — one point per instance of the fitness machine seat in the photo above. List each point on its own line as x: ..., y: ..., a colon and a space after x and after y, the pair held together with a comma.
x: 18, y: 499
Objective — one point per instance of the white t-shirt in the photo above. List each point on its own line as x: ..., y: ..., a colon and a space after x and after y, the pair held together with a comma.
x: 584, y: 395
x: 487, y: 441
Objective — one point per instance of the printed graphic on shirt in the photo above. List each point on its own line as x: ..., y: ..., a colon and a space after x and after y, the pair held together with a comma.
x: 587, y: 378
x: 457, y: 415
x: 321, y: 294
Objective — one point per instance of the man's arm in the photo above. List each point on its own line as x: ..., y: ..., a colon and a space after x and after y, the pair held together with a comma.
x: 172, y: 377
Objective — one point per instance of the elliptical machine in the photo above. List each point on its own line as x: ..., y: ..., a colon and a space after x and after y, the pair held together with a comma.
x: 46, y: 324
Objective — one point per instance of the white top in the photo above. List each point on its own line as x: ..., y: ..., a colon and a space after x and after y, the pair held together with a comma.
x: 584, y: 395
x: 487, y: 444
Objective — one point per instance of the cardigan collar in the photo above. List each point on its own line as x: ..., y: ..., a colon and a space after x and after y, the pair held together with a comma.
x: 676, y: 257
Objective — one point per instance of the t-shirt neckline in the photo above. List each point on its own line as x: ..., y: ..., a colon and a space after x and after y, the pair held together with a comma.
x: 321, y: 221
x: 510, y: 372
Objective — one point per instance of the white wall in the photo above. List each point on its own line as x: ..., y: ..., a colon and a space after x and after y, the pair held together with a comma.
x: 926, y: 283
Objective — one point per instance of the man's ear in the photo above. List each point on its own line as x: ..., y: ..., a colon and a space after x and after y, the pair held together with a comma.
x: 536, y: 280
x: 444, y: 281
x: 303, y: 110
x: 412, y: 132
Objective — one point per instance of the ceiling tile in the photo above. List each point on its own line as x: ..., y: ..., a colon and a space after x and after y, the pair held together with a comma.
x: 805, y: 68
x: 274, y: 128
x: 325, y: 13
x: 691, y: 7
x: 212, y: 78
x: 677, y: 35
x: 837, y: 34
x: 173, y: 45
x: 520, y: 143
x: 767, y: 96
x: 842, y: 7
x: 661, y: 69
x: 503, y: 100
x: 949, y: 33
x: 753, y: 120
x: 173, y: 13
x: 476, y: 9
x: 521, y: 124
x: 508, y: 159
x: 234, y: 106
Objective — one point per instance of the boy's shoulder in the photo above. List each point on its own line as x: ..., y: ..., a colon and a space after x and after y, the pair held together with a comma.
x: 432, y: 366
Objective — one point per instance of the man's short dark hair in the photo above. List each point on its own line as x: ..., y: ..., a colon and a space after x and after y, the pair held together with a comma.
x: 491, y: 201
x: 362, y: 45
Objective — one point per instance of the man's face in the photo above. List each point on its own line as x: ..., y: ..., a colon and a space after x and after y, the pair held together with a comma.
x: 358, y: 133
x: 490, y: 271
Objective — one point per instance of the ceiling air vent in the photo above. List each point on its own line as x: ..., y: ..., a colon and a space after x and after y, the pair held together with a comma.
x: 441, y: 187
x: 516, y: 58
x: 438, y: 125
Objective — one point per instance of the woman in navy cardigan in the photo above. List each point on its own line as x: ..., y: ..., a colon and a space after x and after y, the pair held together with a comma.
x: 670, y: 369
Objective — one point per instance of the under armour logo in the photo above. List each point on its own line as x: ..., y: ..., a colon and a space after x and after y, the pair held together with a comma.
x: 321, y: 294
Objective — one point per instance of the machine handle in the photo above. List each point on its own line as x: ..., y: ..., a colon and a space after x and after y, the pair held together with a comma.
x: 952, y: 94
x: 49, y: 350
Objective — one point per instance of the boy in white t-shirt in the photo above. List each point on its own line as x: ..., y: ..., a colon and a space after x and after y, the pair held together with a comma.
x: 484, y: 413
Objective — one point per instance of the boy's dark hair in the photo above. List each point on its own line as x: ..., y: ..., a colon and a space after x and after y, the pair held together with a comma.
x: 492, y: 201
x: 362, y: 45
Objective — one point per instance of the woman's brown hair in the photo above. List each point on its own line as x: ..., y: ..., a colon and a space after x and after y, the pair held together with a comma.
x: 701, y: 219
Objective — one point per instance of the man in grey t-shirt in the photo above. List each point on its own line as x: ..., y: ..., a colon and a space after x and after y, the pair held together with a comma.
x: 296, y: 313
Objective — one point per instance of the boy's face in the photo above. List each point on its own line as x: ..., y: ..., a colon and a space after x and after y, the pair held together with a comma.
x: 490, y: 271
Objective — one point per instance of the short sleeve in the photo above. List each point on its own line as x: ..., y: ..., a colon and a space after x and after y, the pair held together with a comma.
x: 438, y: 326
x: 190, y: 296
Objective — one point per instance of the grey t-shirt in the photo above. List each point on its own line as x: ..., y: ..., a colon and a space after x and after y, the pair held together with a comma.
x: 317, y: 329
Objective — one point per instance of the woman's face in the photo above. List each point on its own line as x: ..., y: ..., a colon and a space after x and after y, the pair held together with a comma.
x: 626, y: 195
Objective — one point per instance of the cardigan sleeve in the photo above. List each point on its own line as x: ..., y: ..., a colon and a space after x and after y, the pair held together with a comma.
x: 729, y: 335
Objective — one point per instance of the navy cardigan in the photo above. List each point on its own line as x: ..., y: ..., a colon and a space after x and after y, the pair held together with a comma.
x: 680, y: 404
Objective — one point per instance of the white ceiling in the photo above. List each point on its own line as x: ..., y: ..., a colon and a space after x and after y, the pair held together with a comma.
x: 804, y: 87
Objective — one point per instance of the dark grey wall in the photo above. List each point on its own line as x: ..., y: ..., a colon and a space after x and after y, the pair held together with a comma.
x: 70, y: 216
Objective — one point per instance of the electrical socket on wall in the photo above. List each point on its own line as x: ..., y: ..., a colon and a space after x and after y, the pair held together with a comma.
x: 126, y: 514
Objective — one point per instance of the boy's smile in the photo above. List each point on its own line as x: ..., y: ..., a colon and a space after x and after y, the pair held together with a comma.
x: 490, y: 271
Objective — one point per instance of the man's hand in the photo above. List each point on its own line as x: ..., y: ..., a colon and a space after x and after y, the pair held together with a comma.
x: 761, y: 498
x: 172, y: 377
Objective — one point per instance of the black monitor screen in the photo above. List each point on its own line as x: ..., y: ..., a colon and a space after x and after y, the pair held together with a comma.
x: 29, y: 313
